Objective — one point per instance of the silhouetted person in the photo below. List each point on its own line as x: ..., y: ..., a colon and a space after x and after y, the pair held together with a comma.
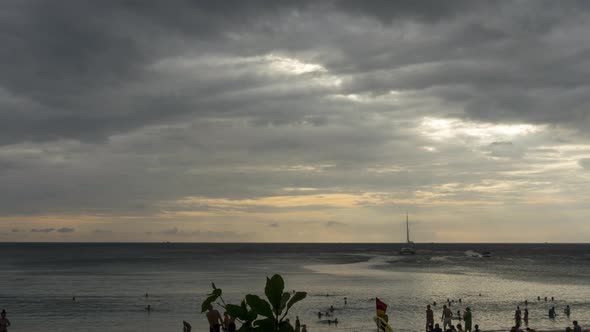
x: 344, y: 301
x: 552, y: 299
x: 526, y: 302
x: 146, y: 295
x: 476, y: 328
x: 214, y: 318
x: 567, y: 311
x: 447, y: 316
x: 73, y: 298
x: 517, y: 317
x: 304, y: 328
x: 468, y: 319
x: 229, y: 323
x: 459, y: 315
x: 526, y: 316
x: 577, y: 328
x: 4, y: 322
x: 545, y: 298
x: 437, y: 328
x: 434, y: 303
x: 336, y: 321
x: 320, y: 314
x: 429, y: 317
x: 148, y: 308
x: 331, y: 308
x: 459, y: 300
x: 552, y: 313
x: 186, y: 327
x: 538, y: 298
x: 459, y: 328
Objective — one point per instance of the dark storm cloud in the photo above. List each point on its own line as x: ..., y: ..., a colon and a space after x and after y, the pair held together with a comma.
x: 69, y: 66
x: 109, y: 107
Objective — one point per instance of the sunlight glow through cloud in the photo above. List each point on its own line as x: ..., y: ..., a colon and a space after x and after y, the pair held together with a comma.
x: 442, y: 129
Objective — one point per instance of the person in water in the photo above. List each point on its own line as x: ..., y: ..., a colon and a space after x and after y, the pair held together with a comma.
x: 148, y: 308
x: 186, y: 326
x: 476, y: 328
x: 459, y: 328
x: 214, y: 318
x: 447, y: 317
x: 467, y: 319
x: 526, y: 316
x: 4, y: 322
x: 552, y: 313
x: 304, y: 328
x: 577, y: 328
x: 567, y: 311
x: 429, y: 317
x: 517, y: 317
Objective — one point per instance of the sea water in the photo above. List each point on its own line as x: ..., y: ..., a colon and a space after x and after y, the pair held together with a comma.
x: 109, y: 282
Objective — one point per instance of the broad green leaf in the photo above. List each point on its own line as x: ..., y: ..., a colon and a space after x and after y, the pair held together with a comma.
x: 266, y: 324
x: 236, y: 311
x: 217, y: 292
x: 274, y: 291
x: 259, y: 305
x: 286, y: 327
x: 205, y: 305
x: 284, y: 299
x: 296, y: 298
x: 251, y: 315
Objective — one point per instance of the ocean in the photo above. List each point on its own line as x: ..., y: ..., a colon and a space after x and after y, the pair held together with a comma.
x: 109, y: 282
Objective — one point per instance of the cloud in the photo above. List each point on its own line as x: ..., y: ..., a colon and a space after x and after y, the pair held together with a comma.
x: 65, y: 230
x: 163, y: 112
x: 42, y: 230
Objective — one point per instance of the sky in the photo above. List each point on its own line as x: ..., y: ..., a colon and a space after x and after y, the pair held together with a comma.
x: 294, y: 121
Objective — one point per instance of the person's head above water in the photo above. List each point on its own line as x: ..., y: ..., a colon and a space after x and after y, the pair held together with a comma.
x: 3, y: 313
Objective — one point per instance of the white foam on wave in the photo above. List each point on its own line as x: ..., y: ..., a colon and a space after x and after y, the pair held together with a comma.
x: 472, y: 253
x: 439, y: 259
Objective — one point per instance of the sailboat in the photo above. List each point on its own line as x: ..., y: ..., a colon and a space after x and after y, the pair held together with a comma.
x: 409, y: 248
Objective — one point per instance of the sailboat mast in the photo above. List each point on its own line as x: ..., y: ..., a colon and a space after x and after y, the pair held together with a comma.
x: 407, y: 229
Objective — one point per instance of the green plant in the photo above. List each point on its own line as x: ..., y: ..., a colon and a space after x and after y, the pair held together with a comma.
x: 257, y: 314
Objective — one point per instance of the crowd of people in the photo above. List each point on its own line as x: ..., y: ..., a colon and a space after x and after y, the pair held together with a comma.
x: 520, y: 316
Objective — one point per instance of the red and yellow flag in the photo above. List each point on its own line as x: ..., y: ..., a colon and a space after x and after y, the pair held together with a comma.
x: 381, y: 307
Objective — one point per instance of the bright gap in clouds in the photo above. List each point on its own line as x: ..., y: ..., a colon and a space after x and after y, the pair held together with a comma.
x: 443, y: 129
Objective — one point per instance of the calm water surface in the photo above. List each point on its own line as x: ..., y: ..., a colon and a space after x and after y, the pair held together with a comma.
x: 109, y: 282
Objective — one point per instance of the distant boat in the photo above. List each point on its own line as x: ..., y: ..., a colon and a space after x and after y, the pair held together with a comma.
x: 409, y: 249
